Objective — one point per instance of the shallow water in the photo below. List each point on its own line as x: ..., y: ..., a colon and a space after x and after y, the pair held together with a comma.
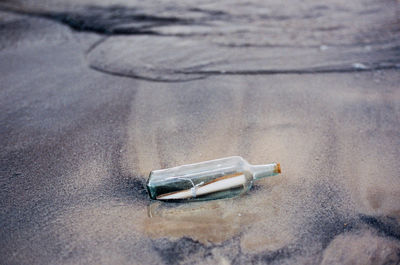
x: 79, y: 144
x: 186, y: 41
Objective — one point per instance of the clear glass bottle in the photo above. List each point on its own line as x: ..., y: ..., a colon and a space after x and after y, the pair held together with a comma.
x: 209, y: 180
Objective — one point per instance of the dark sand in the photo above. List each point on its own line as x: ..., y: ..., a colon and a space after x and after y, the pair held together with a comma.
x: 78, y: 144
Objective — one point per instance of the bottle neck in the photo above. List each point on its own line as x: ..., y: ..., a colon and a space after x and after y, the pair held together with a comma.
x: 262, y: 171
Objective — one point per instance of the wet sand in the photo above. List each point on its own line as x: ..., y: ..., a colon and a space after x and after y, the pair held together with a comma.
x: 78, y: 144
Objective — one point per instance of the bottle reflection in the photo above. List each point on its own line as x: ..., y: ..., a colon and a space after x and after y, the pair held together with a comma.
x: 206, y: 222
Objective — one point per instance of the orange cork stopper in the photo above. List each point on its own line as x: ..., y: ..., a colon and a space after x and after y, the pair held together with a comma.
x: 277, y: 168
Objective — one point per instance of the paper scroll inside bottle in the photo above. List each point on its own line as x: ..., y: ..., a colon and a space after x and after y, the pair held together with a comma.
x: 215, y: 179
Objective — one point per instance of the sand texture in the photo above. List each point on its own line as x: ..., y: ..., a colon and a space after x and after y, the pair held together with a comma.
x: 86, y: 114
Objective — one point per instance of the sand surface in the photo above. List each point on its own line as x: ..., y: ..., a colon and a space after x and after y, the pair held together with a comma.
x: 78, y: 145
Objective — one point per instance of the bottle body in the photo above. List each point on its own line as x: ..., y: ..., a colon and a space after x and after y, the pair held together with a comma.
x: 210, y: 180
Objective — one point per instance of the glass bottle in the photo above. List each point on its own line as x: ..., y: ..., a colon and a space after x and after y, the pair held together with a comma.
x: 209, y: 180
